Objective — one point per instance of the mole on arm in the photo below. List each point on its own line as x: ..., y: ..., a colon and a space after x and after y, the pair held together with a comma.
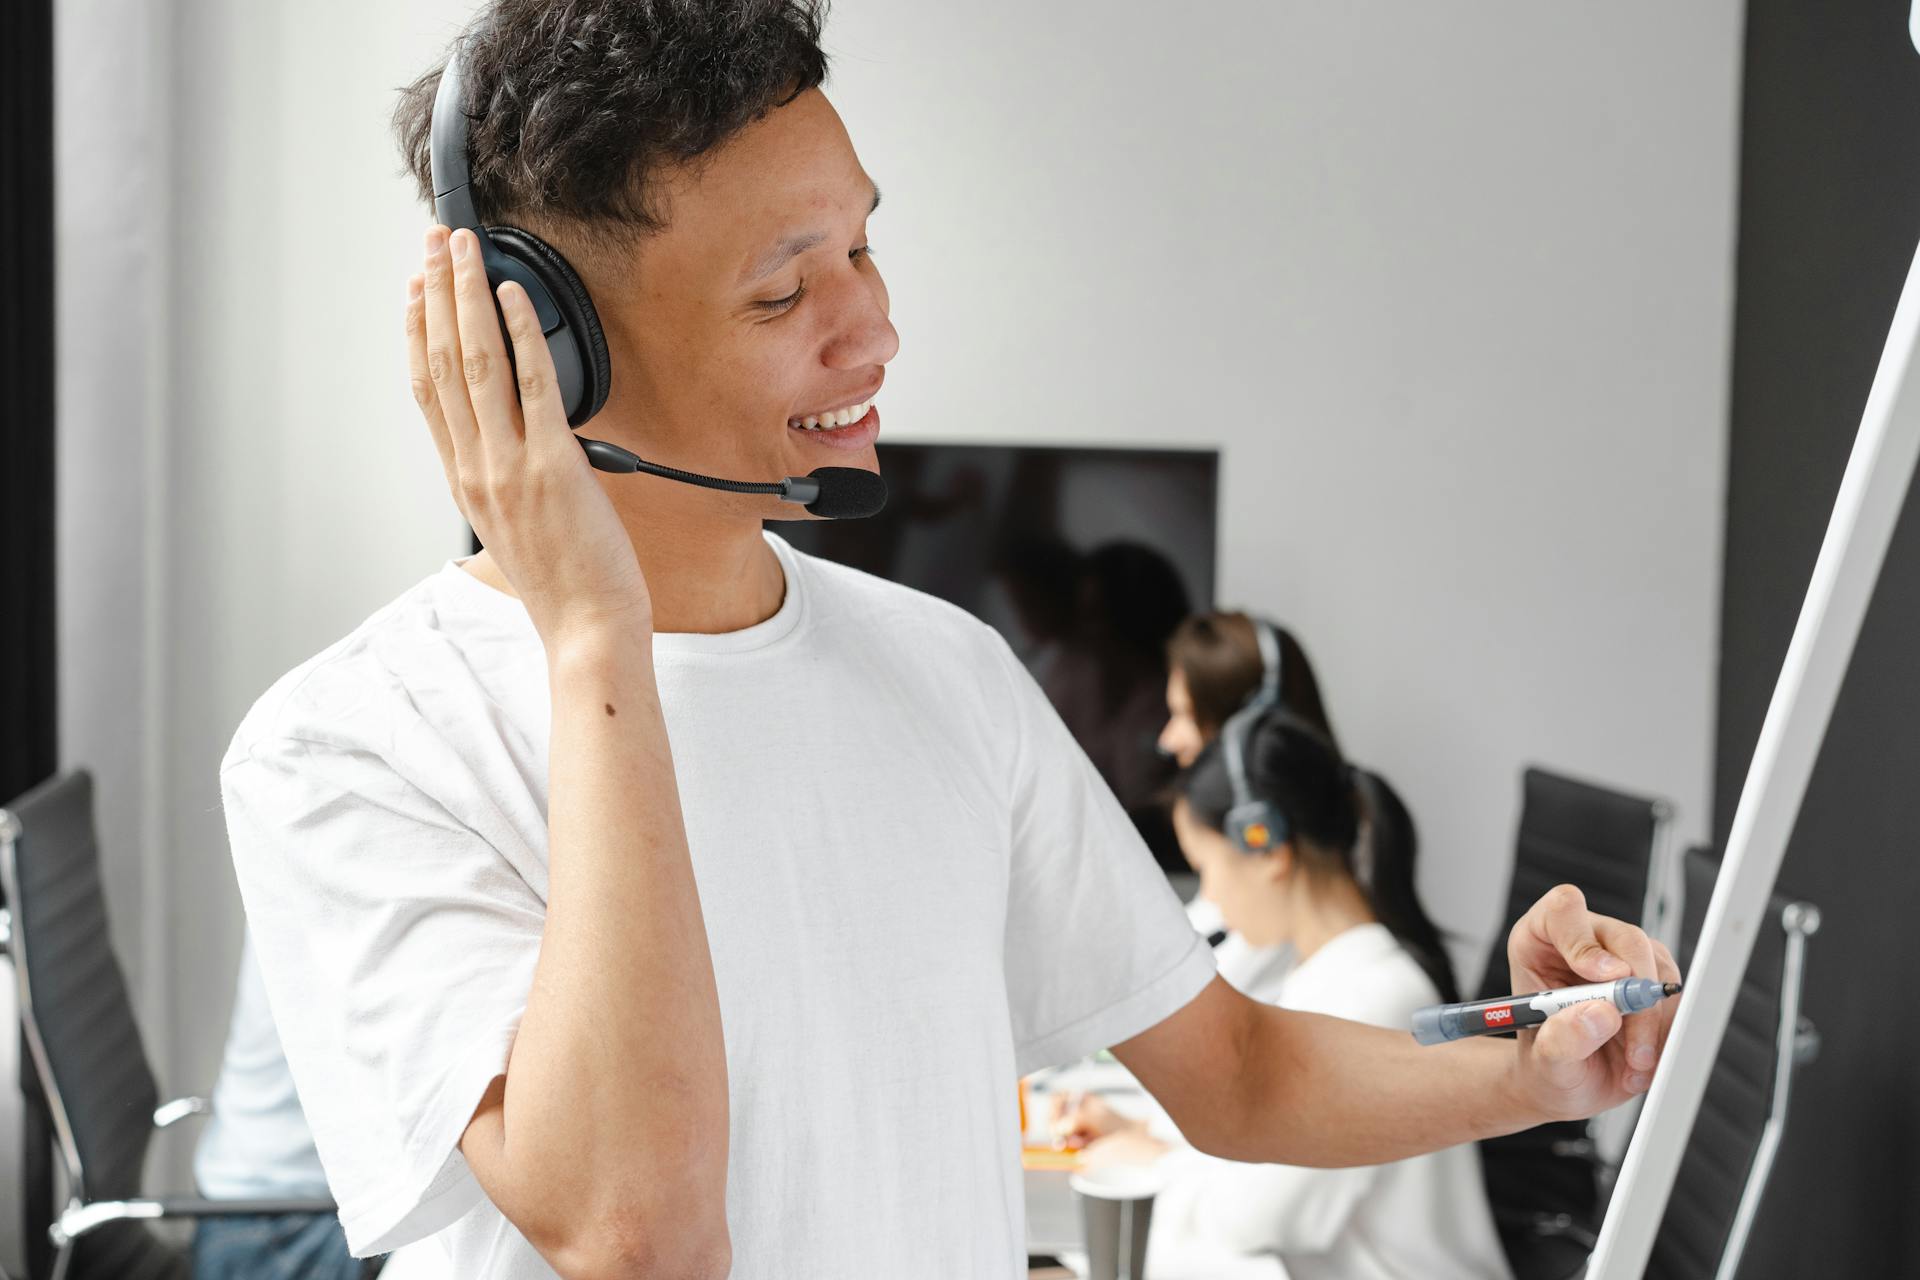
x: 609, y: 708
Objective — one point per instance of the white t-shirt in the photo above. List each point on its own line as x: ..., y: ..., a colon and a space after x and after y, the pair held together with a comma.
x: 1420, y: 1219
x: 256, y: 1144
x: 915, y: 887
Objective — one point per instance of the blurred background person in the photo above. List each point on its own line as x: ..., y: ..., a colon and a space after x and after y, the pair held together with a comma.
x: 257, y: 1146
x: 1363, y: 949
x: 1215, y: 667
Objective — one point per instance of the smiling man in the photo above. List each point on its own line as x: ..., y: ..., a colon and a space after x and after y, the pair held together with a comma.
x: 644, y: 898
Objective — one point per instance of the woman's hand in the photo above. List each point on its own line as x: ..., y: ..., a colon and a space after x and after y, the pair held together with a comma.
x: 1125, y: 1147
x: 515, y: 469
x: 1077, y: 1119
x: 1587, y: 1058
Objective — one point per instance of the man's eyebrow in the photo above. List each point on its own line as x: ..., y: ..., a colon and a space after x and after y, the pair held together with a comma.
x: 777, y: 256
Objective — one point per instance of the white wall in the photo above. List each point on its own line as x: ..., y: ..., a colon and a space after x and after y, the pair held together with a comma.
x: 113, y: 138
x: 1449, y: 286
x: 234, y: 246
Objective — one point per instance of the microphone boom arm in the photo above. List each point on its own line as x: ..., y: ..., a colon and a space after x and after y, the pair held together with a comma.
x: 612, y: 458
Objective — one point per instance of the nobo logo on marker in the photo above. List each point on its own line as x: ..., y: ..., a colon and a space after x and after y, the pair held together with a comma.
x: 1500, y: 1017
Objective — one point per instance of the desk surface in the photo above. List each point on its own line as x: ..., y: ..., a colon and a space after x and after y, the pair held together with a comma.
x: 1053, y: 1210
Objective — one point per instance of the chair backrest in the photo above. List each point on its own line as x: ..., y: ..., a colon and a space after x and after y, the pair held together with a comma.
x: 78, y: 1020
x: 1722, y: 1173
x: 1574, y: 832
x: 1543, y: 1183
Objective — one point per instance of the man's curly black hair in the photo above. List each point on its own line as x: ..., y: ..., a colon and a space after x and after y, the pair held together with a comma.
x: 577, y: 105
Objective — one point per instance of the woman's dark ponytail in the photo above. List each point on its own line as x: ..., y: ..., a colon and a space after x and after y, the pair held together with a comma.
x: 1347, y: 812
x: 1382, y: 864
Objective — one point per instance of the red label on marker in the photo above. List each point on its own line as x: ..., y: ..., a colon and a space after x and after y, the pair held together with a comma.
x: 1501, y: 1015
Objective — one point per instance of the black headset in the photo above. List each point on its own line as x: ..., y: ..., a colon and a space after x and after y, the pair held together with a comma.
x: 1254, y: 825
x: 580, y: 363
x: 583, y: 372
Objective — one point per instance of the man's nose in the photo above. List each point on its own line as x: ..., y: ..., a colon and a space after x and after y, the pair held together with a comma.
x: 866, y: 334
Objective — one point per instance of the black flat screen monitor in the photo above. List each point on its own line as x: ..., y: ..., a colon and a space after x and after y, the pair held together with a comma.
x: 1084, y: 559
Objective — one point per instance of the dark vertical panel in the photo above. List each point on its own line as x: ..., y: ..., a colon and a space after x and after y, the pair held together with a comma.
x: 1829, y: 220
x: 27, y: 747
x: 26, y: 396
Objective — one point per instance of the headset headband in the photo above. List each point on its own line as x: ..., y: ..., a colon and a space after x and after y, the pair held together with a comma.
x: 447, y: 148
x: 1267, y: 637
x: 579, y: 356
x: 453, y: 206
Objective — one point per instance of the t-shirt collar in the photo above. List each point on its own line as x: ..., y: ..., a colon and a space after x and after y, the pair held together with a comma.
x: 472, y: 594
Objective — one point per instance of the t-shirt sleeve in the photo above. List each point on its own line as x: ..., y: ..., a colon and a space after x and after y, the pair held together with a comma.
x: 398, y: 948
x: 1097, y: 946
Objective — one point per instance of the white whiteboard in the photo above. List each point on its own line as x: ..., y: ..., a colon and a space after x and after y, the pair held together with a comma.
x: 1871, y: 495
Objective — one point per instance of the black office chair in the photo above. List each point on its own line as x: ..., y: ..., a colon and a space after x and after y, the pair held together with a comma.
x: 1723, y: 1172
x: 85, y: 1049
x: 1544, y: 1183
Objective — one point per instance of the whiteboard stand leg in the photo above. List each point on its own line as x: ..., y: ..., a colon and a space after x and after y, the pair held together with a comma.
x: 1871, y: 495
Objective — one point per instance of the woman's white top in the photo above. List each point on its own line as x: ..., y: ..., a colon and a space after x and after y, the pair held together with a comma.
x: 1420, y: 1219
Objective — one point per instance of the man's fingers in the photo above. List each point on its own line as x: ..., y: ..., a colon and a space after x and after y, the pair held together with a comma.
x: 483, y: 350
x: 1641, y: 1038
x: 444, y: 357
x: 544, y: 416
x: 424, y: 393
x: 1559, y: 926
x: 1565, y: 1041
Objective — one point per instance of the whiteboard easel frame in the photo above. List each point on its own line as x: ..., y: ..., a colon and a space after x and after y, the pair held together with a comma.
x: 1871, y: 495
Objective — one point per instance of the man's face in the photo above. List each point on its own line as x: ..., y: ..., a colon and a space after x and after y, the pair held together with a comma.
x: 716, y: 361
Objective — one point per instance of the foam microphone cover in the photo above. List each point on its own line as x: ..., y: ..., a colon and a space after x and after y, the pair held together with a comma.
x: 847, y: 493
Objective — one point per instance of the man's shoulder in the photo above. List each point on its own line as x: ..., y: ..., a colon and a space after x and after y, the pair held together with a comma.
x: 337, y: 694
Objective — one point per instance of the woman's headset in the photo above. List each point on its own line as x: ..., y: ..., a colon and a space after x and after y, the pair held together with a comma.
x: 1252, y: 824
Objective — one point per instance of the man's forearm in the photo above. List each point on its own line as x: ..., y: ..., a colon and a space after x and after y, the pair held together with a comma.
x: 1326, y: 1092
x: 616, y: 1092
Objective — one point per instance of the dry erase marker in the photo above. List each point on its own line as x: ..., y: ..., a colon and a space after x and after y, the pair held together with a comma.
x: 1440, y: 1023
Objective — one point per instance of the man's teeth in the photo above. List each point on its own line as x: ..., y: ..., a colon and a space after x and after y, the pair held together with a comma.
x: 828, y: 421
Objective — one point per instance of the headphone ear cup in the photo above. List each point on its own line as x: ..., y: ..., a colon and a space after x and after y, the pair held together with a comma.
x: 575, y: 305
x: 1256, y: 827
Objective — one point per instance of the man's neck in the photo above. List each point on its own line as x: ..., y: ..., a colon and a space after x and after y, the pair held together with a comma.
x: 708, y: 569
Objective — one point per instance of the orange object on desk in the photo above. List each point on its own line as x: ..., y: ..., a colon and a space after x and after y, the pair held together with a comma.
x: 1034, y: 1157
x: 1044, y: 1158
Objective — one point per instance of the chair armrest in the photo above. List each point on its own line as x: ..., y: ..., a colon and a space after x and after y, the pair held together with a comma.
x: 1585, y: 1150
x: 1560, y: 1225
x: 1806, y: 1041
x: 78, y: 1219
x: 169, y: 1113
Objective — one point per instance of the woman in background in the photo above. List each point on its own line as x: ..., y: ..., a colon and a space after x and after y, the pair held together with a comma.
x: 1214, y: 668
x: 1364, y: 949
x: 1216, y: 665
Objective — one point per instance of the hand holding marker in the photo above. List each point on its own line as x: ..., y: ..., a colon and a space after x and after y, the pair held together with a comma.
x: 1440, y: 1023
